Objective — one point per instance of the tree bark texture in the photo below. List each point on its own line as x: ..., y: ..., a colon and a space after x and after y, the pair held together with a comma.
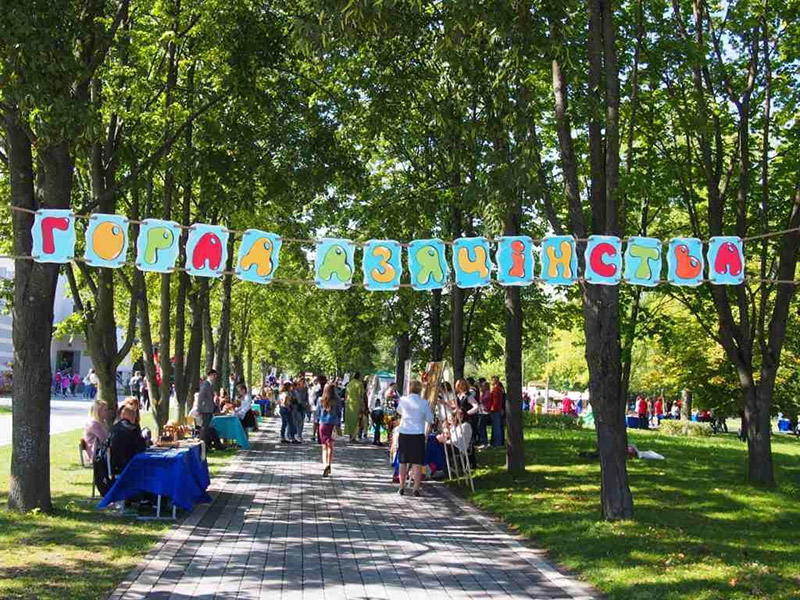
x: 402, y: 353
x: 34, y: 294
x: 436, y: 326
x: 222, y: 358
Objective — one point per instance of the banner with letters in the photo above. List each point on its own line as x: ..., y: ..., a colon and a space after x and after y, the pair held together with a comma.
x: 469, y: 262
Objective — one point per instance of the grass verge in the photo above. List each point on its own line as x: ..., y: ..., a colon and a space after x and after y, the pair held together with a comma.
x: 76, y: 551
x: 700, y: 531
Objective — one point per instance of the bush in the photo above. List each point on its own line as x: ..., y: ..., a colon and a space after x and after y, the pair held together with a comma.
x: 551, y: 421
x: 685, y: 428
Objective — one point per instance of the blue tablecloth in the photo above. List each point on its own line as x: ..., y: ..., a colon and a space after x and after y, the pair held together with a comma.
x: 180, y: 473
x: 230, y: 428
x: 631, y: 421
x: 784, y: 425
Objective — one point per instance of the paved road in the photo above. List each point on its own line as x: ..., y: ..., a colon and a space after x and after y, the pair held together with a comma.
x: 65, y: 415
x: 278, y: 530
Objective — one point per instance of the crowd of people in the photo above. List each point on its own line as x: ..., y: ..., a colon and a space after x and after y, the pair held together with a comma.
x: 68, y: 381
x: 468, y: 415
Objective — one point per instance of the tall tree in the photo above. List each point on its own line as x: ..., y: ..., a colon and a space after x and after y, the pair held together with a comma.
x: 47, y: 70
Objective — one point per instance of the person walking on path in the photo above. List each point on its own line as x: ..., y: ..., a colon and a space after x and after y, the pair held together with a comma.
x: 206, y: 406
x: 328, y: 421
x: 415, y: 415
x: 354, y: 405
x: 286, y: 401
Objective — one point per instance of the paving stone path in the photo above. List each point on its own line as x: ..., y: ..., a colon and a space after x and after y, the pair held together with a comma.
x: 278, y: 530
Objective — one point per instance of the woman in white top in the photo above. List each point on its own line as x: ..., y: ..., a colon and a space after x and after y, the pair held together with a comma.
x: 415, y: 416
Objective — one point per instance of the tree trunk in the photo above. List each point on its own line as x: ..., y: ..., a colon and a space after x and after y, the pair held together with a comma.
x: 193, y: 358
x: 208, y: 331
x: 757, y: 403
x: 600, y: 311
x: 402, y: 353
x: 249, y: 362
x: 181, y: 373
x: 515, y: 444
x: 436, y: 325
x: 34, y: 295
x: 145, y: 332
x: 686, y: 405
x: 456, y: 295
x: 222, y: 358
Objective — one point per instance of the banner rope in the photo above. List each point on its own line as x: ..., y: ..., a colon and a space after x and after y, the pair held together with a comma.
x: 408, y: 285
x: 360, y: 244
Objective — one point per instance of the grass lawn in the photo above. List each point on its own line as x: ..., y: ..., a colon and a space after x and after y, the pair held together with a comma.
x: 5, y: 410
x: 77, y: 551
x: 700, y: 531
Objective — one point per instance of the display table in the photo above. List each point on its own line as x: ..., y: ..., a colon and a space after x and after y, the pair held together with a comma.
x: 179, y: 473
x: 632, y: 421
x: 784, y: 425
x: 229, y: 427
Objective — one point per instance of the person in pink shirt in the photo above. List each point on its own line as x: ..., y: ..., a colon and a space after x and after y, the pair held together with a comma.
x: 566, y: 406
x: 96, y: 431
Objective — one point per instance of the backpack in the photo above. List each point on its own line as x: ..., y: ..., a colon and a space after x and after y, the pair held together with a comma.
x: 100, y: 468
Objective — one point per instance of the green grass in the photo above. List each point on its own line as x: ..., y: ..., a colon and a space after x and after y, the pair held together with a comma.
x: 5, y: 410
x: 76, y: 551
x: 700, y: 531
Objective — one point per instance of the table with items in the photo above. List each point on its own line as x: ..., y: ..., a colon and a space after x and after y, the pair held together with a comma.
x: 180, y: 473
x: 229, y: 427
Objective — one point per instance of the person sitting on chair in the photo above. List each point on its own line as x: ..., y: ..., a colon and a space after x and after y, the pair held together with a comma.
x: 246, y: 416
x: 96, y: 431
x: 126, y: 440
x: 459, y: 435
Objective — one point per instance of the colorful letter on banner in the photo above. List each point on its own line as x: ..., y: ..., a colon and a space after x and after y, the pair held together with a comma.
x: 472, y: 263
x: 559, y: 260
x: 725, y: 260
x: 334, y: 264
x: 603, y: 260
x: 157, y: 246
x: 106, y: 241
x: 643, y: 261
x: 383, y: 265
x: 515, y: 260
x: 259, y: 254
x: 685, y: 261
x: 427, y: 264
x: 206, y: 250
x: 53, y: 236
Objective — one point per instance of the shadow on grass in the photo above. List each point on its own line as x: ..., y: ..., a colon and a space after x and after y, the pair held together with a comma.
x: 695, y: 516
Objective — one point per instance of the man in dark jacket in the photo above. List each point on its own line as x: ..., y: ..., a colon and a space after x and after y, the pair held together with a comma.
x: 206, y: 406
x: 126, y: 440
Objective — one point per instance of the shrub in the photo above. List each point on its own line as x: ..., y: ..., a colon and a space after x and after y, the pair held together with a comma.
x: 551, y: 421
x: 685, y: 428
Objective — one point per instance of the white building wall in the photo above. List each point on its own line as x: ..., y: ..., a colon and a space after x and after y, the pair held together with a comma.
x: 62, y: 308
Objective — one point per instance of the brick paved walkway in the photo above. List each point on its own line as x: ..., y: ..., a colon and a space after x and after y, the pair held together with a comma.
x: 278, y: 530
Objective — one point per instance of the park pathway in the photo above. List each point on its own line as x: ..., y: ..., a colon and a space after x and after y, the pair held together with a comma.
x: 278, y: 530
